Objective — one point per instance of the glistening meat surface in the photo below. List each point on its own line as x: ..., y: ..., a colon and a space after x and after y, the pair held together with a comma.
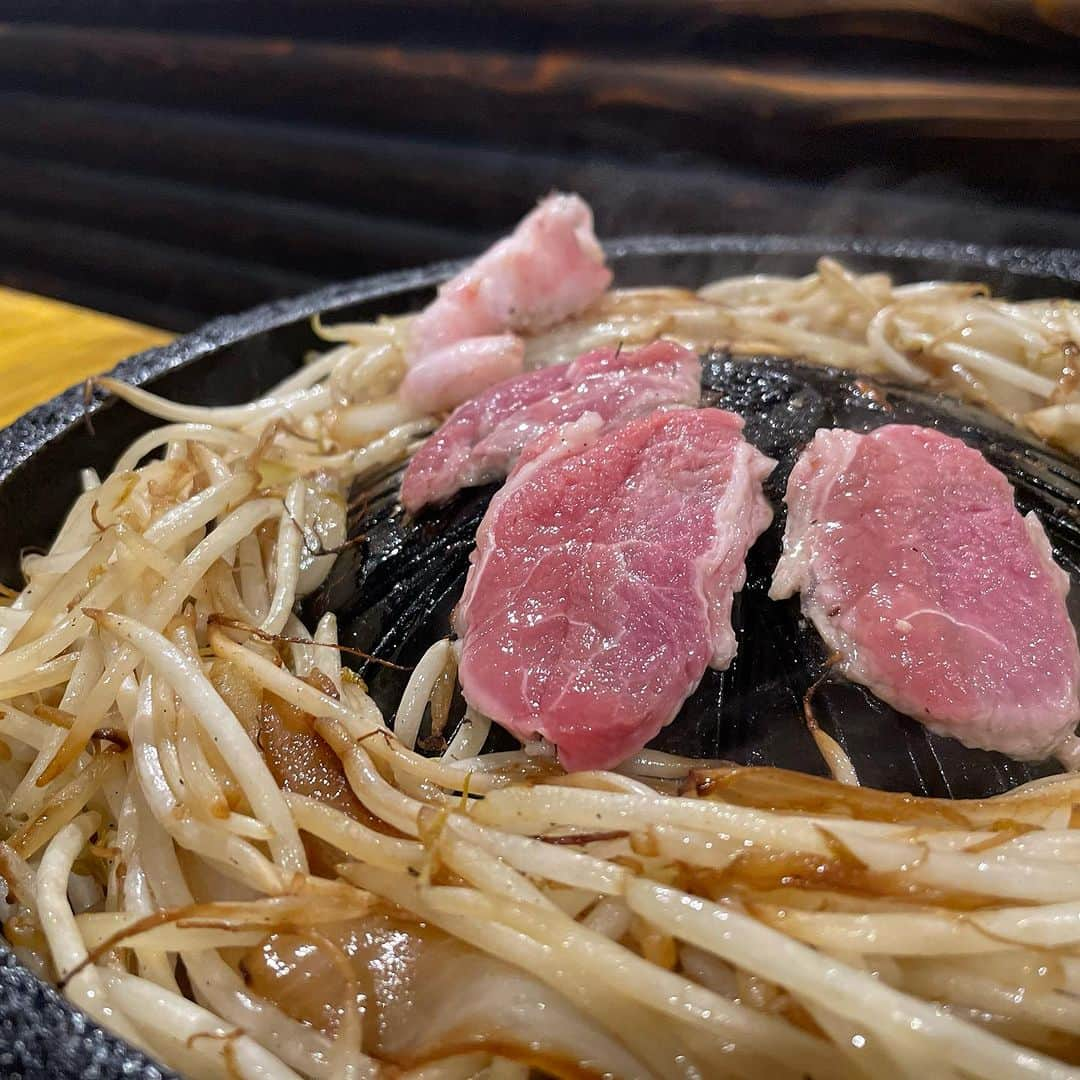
x: 482, y: 439
x: 915, y: 565
x: 458, y: 372
x: 602, y: 582
x: 549, y: 268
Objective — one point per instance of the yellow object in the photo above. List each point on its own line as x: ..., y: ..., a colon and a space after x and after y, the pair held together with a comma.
x: 47, y: 346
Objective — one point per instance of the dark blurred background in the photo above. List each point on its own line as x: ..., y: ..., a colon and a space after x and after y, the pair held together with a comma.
x: 170, y: 160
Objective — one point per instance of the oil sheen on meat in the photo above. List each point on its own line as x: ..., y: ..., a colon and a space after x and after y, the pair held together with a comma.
x: 602, y: 582
x: 549, y: 268
x: 482, y: 439
x: 916, y: 567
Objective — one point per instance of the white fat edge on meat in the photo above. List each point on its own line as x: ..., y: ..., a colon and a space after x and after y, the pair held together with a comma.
x: 835, y: 449
x: 1066, y: 745
x: 1058, y: 576
x: 989, y: 731
x: 793, y: 571
x: 486, y: 276
x: 749, y: 469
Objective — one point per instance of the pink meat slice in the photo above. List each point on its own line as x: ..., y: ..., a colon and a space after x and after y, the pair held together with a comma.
x: 457, y: 372
x: 482, y: 439
x: 603, y: 578
x: 914, y: 564
x: 549, y: 268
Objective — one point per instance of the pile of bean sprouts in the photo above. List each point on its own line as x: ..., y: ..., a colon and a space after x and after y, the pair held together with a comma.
x: 698, y: 921
x: 1021, y: 359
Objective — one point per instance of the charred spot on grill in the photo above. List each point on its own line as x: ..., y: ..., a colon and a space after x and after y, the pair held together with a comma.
x: 394, y: 592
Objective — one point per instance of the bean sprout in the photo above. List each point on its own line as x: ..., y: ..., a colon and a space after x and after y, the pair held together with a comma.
x: 163, y: 842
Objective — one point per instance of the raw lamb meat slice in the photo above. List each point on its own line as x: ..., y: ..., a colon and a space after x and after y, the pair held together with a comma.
x: 549, y: 268
x: 458, y: 372
x: 916, y: 567
x: 603, y: 578
x: 482, y: 439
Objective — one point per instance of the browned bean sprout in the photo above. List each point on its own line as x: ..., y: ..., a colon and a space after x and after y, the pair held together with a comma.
x: 219, y: 846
